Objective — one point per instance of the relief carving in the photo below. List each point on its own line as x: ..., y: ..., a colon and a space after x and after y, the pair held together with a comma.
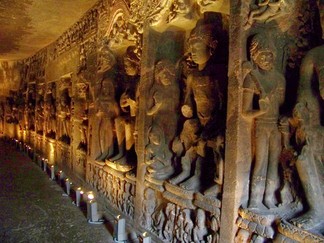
x: 64, y: 110
x: 266, y: 11
x: 106, y: 106
x: 39, y: 123
x: 125, y: 124
x: 204, y: 107
x: 50, y: 111
x: 310, y: 139
x: 268, y: 85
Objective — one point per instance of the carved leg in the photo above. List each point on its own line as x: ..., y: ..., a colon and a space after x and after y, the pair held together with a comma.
x: 257, y: 184
x: 311, y: 172
x: 186, y: 167
x: 194, y: 182
x: 272, y: 181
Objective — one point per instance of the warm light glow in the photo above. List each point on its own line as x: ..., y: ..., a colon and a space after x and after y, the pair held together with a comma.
x: 118, y: 216
x: 144, y: 234
x: 90, y: 196
x: 81, y: 192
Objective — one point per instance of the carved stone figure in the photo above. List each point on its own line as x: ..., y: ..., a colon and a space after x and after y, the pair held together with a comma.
x: 165, y: 96
x: 181, y: 8
x: 31, y: 103
x: 242, y: 236
x: 269, y: 10
x: 310, y: 138
x: 179, y: 228
x: 149, y: 204
x: 200, y: 230
x: 204, y: 98
x: 221, y: 6
x: 170, y: 212
x: 64, y: 116
x: 264, y: 82
x: 50, y: 113
x: 106, y: 106
x: 312, y: 73
x: 186, y: 144
x: 158, y: 222
x: 126, y: 122
x: 187, y: 226
x: 158, y: 155
x: 40, y: 115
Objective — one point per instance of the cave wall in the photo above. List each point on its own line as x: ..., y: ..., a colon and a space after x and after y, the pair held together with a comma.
x: 200, y: 120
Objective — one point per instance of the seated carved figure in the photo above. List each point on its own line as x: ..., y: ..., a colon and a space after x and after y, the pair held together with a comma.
x: 204, y: 101
x: 268, y: 11
x: 310, y: 136
x: 266, y: 85
x: 158, y: 156
x: 126, y: 122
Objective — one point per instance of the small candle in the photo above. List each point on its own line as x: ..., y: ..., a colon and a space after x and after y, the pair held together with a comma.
x: 61, y: 175
x: 45, y: 164
x: 92, y: 211
x: 120, y: 229
x: 67, y: 186
x: 78, y: 193
x: 145, y: 238
x: 52, y: 172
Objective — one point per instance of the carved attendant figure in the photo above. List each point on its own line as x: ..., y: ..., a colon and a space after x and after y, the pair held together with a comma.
x: 165, y: 94
x: 268, y: 85
x: 107, y: 107
x: 310, y: 136
x: 125, y: 124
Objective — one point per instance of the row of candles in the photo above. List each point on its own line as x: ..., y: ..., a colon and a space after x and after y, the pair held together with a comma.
x: 93, y: 216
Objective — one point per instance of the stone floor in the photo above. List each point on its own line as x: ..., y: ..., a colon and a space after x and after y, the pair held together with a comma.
x: 33, y: 208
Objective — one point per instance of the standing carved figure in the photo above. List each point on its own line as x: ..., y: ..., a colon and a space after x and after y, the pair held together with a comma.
x: 149, y: 205
x: 200, y: 230
x: 310, y: 137
x: 64, y: 116
x: 165, y: 95
x: 266, y: 85
x: 106, y: 106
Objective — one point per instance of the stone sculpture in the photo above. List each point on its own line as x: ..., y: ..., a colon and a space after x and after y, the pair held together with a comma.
x: 170, y: 212
x: 200, y: 230
x: 165, y: 99
x: 126, y: 122
x: 264, y: 82
x: 64, y: 116
x: 158, y: 155
x: 268, y: 10
x: 50, y: 113
x: 310, y: 137
x: 149, y: 205
x: 203, y: 100
x: 106, y: 106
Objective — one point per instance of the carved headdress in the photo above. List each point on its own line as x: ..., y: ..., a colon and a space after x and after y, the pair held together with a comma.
x: 204, y: 32
x: 261, y: 43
